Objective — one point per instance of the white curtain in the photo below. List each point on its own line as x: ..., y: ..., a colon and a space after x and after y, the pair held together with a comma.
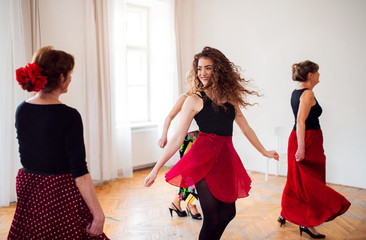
x: 108, y: 142
x: 20, y: 28
x: 122, y: 130
x: 178, y: 22
x: 164, y: 69
x: 15, y: 50
x: 35, y: 21
x: 183, y: 25
x: 108, y: 147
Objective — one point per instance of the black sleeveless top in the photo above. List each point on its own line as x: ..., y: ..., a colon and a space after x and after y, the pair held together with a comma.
x: 219, y: 122
x: 312, y: 121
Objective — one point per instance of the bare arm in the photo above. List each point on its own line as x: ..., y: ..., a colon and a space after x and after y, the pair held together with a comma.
x: 172, y: 114
x: 189, y: 110
x: 87, y: 190
x: 307, y: 100
x: 251, y: 136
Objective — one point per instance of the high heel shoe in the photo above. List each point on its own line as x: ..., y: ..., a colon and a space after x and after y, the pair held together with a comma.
x: 179, y: 213
x: 194, y: 216
x: 305, y: 229
x: 281, y: 220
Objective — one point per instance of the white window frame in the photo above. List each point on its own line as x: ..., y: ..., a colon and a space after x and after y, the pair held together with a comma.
x: 145, y: 48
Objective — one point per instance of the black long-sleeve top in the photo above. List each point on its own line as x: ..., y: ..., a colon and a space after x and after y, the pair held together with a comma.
x: 50, y: 139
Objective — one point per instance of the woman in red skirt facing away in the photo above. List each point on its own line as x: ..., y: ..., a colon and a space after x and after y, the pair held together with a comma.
x: 306, y: 200
x: 212, y: 163
x: 56, y: 198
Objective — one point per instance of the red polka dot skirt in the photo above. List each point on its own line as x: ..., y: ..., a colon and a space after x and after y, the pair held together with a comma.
x: 49, y: 207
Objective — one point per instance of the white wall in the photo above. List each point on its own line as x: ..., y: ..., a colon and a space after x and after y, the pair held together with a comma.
x: 145, y: 151
x: 265, y: 38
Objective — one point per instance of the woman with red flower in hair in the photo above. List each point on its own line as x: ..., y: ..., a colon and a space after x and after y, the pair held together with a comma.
x: 55, y: 194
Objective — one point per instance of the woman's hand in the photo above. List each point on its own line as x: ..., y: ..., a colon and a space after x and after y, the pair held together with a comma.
x: 300, y: 154
x: 96, y: 227
x: 162, y: 141
x: 87, y: 190
x: 150, y: 179
x: 271, y: 154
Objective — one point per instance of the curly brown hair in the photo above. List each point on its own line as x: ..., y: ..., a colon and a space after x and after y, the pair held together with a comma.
x: 225, y: 82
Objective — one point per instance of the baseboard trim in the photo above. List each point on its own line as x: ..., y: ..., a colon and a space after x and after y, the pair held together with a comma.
x: 144, y: 166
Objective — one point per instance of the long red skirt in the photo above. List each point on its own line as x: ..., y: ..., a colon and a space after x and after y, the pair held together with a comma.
x: 306, y: 200
x: 214, y: 159
x: 49, y: 207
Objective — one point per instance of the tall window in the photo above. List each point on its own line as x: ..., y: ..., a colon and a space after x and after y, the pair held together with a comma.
x: 137, y: 64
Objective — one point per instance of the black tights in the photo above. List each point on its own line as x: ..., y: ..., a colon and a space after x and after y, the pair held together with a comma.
x: 216, y: 214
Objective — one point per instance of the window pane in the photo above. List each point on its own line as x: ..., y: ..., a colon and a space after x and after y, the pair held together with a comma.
x: 136, y: 26
x: 136, y: 67
x: 138, y: 109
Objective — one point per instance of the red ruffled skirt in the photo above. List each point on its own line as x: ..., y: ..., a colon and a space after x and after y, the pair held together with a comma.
x: 306, y: 199
x: 49, y: 207
x: 214, y: 159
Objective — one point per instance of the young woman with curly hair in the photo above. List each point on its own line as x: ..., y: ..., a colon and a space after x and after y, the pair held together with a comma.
x: 212, y: 163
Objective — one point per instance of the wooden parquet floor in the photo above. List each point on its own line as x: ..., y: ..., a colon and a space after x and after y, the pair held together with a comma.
x: 134, y: 212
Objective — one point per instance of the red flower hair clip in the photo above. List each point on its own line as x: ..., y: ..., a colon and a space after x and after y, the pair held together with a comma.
x: 30, y: 77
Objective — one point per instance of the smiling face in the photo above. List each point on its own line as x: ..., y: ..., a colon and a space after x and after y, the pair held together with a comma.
x: 205, y: 70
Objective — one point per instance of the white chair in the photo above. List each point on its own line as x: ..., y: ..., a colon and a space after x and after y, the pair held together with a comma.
x: 282, y: 134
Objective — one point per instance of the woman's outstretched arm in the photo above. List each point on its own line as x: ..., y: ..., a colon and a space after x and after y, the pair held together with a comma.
x: 172, y: 114
x: 251, y: 136
x: 189, y: 110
